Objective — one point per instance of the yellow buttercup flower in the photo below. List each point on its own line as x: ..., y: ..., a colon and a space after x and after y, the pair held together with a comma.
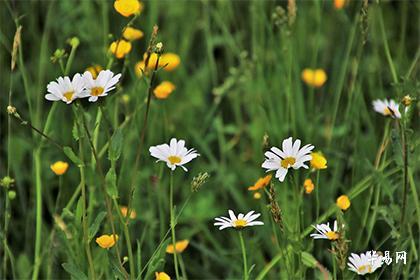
x: 128, y: 7
x: 162, y: 276
x: 180, y: 246
x: 339, y: 4
x: 94, y: 70
x: 318, y: 161
x: 139, y: 68
x: 314, y: 77
x: 59, y: 167
x: 257, y: 195
x: 120, y: 48
x: 132, y: 34
x: 171, y: 61
x: 261, y: 183
x: 164, y: 89
x: 308, y: 185
x: 106, y: 241
x: 124, y: 211
x: 343, y: 202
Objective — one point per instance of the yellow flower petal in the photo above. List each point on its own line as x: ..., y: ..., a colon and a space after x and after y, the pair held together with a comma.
x: 128, y: 7
x: 261, y: 183
x: 94, y: 70
x: 343, y: 202
x: 164, y: 89
x: 162, y: 276
x: 339, y: 4
x: 120, y: 48
x: 171, y: 61
x: 124, y: 211
x: 132, y: 34
x: 308, y: 185
x: 314, y: 77
x: 59, y: 167
x: 106, y: 241
x: 180, y: 246
x: 318, y: 161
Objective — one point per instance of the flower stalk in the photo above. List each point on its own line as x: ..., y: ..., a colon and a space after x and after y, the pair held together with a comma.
x: 241, y: 240
x: 172, y: 221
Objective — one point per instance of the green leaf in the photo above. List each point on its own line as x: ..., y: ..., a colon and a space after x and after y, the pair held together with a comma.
x: 72, y: 156
x: 111, y: 183
x: 308, y: 259
x: 115, y: 146
x: 94, y: 227
x: 74, y: 271
x: 157, y: 261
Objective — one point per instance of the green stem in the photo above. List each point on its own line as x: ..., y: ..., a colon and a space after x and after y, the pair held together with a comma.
x: 386, y: 48
x: 241, y: 239
x: 172, y: 217
x: 38, y: 223
x: 7, y: 215
x: 84, y: 214
x: 269, y: 266
x: 127, y: 240
x: 317, y: 194
x: 405, y: 173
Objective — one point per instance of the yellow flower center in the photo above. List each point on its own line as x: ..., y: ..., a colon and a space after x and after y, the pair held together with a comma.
x: 240, y: 223
x: 332, y: 235
x: 362, y: 268
x: 388, y: 112
x: 96, y: 91
x: 68, y: 95
x: 289, y: 161
x: 174, y: 159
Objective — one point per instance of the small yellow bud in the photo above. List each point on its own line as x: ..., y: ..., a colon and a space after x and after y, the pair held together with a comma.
x: 343, y: 202
x: 59, y: 167
x: 407, y: 100
x: 257, y: 195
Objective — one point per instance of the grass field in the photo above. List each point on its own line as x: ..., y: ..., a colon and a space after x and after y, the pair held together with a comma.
x: 245, y: 80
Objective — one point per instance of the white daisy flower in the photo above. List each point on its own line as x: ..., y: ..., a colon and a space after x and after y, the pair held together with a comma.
x: 291, y: 156
x: 365, y: 263
x: 175, y: 154
x: 387, y: 107
x: 239, y: 222
x: 104, y: 83
x: 325, y: 232
x: 65, y: 89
